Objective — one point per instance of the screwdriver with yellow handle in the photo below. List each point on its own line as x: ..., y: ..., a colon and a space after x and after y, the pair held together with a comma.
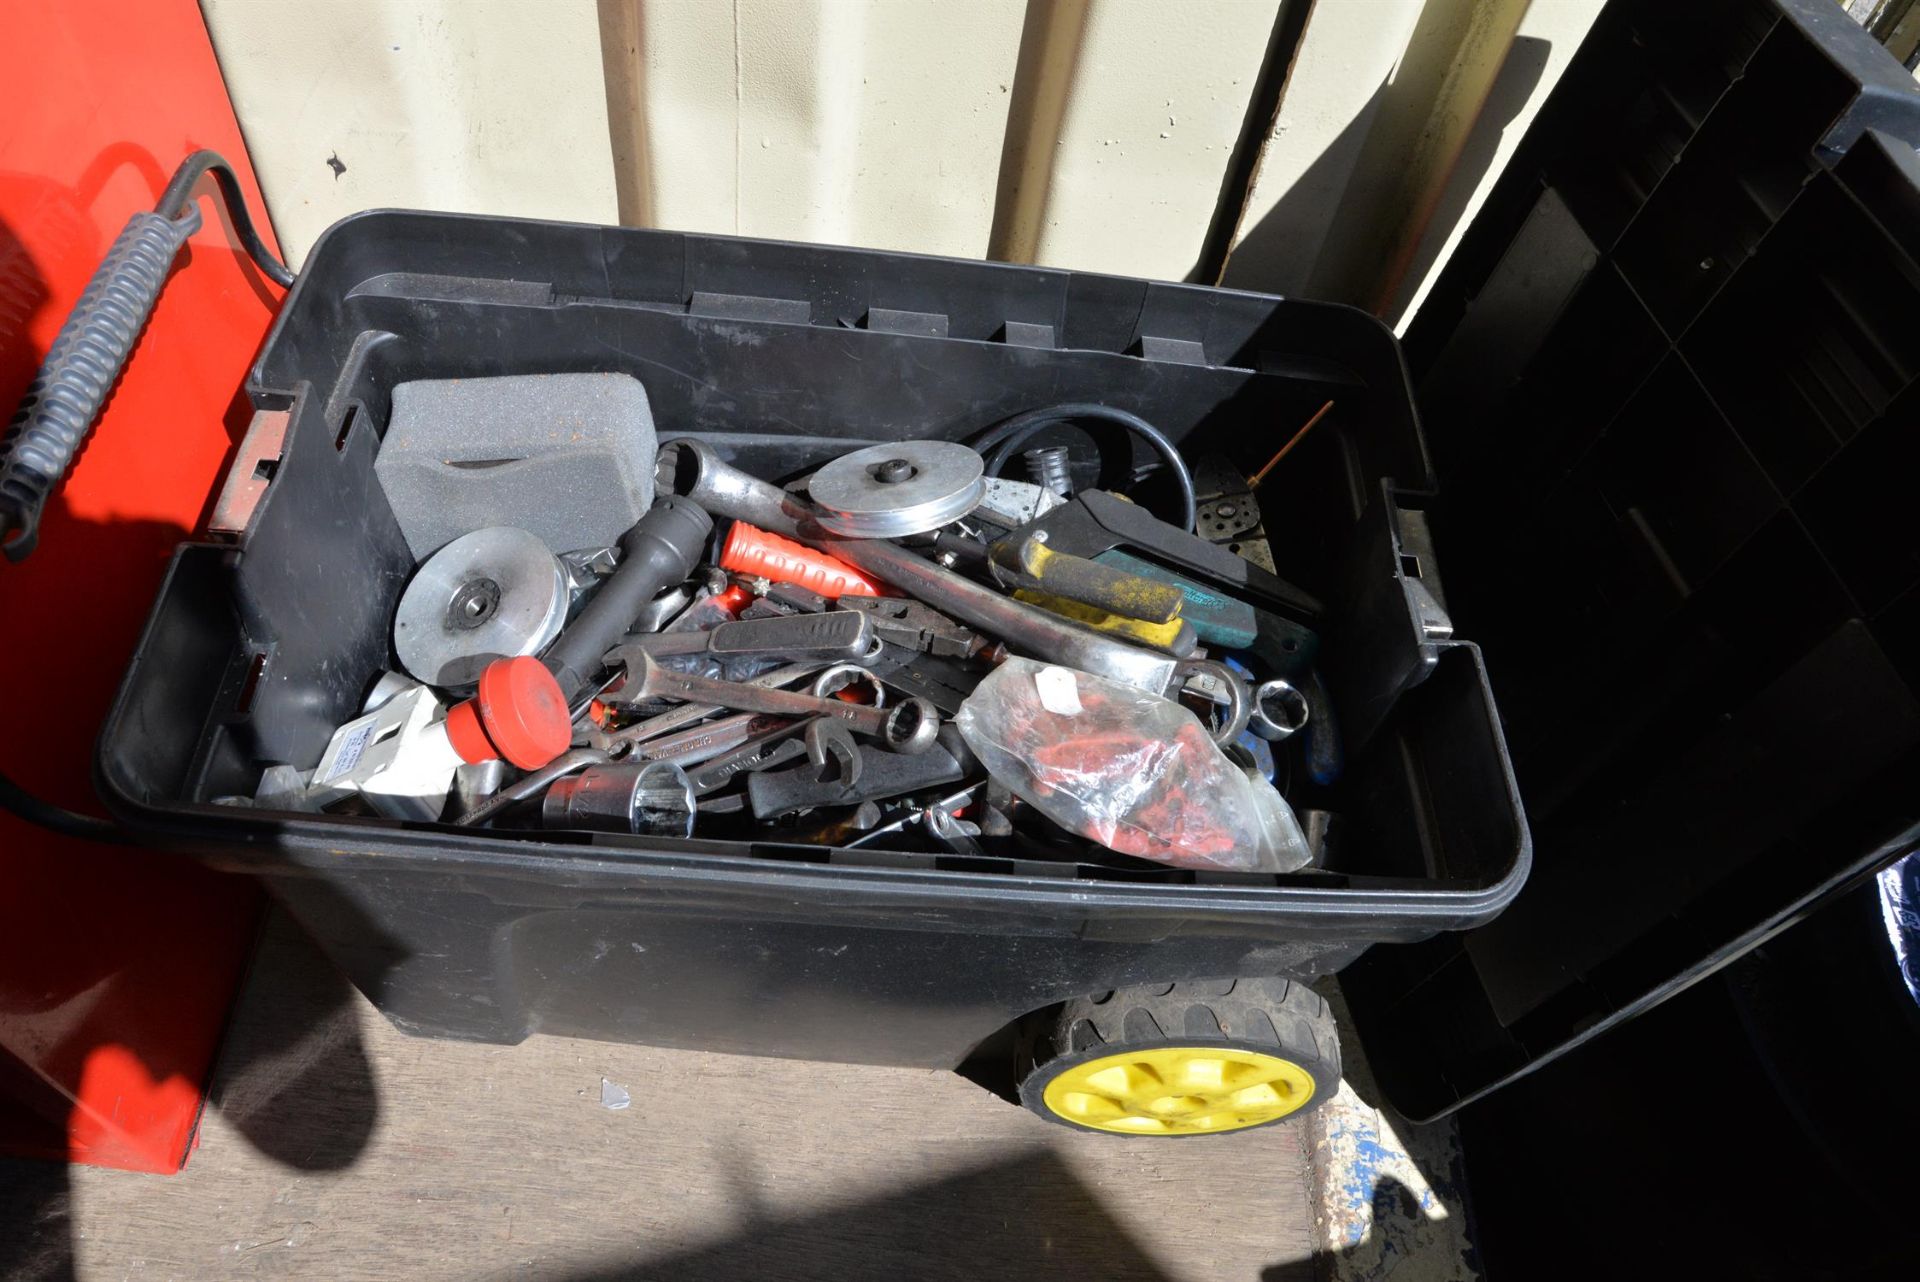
x: 1024, y: 562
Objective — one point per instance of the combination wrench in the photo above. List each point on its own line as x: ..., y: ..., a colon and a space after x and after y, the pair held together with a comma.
x: 908, y: 726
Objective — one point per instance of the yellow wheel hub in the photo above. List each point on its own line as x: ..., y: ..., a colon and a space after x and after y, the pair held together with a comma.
x: 1179, y: 1090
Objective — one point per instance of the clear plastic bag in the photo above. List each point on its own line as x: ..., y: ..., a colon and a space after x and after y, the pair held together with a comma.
x: 1131, y: 770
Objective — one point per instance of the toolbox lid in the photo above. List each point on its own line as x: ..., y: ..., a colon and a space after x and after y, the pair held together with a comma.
x: 1669, y: 384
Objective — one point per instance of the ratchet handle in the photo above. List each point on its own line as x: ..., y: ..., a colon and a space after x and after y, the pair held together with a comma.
x: 66, y: 396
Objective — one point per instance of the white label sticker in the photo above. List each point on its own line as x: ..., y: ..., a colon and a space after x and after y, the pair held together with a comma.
x: 1059, y: 691
x: 351, y: 746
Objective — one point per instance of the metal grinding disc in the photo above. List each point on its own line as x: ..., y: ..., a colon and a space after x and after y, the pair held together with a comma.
x: 906, y: 487
x: 492, y: 594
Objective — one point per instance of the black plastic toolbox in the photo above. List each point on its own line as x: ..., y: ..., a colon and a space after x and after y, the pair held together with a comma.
x: 1670, y: 378
x: 784, y: 356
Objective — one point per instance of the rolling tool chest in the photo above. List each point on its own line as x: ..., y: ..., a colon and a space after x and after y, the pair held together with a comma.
x: 783, y: 358
x: 1665, y: 384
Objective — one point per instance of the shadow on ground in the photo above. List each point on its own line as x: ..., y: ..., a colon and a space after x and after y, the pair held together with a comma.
x: 299, y: 1085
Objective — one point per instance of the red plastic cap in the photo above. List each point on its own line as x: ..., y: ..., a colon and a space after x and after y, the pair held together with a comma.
x: 465, y: 734
x: 749, y: 550
x: 519, y: 714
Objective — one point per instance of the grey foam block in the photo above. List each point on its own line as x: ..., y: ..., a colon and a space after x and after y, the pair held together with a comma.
x: 566, y: 456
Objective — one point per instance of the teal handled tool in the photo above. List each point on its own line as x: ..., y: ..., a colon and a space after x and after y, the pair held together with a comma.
x: 1227, y: 622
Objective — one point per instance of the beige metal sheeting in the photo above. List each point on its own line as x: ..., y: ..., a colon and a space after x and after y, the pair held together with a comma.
x: 1325, y: 149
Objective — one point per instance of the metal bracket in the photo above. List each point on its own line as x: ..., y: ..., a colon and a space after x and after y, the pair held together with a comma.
x: 251, y: 474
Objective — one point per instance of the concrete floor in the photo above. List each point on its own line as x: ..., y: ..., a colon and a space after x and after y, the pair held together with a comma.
x: 336, y: 1147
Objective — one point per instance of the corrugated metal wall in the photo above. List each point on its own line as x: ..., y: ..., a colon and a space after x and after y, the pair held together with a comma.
x: 1320, y: 147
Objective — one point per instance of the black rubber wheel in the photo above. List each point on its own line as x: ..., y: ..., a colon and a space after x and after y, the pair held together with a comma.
x: 1198, y: 1058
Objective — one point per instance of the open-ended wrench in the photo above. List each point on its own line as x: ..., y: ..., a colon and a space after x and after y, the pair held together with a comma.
x: 763, y: 752
x: 827, y: 744
x: 908, y: 726
x: 831, y: 749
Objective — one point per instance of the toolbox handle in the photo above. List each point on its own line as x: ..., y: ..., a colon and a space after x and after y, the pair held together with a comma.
x: 93, y: 345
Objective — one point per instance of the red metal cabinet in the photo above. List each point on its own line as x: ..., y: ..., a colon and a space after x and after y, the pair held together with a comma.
x: 116, y: 966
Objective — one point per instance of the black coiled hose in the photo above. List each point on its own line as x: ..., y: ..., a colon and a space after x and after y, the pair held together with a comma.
x: 998, y: 443
x: 46, y: 432
x: 66, y: 396
x: 81, y: 368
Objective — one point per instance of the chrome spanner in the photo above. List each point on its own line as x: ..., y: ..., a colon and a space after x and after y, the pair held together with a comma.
x: 702, y: 743
x: 908, y: 726
x: 687, y: 714
x: 763, y: 752
x: 828, y: 744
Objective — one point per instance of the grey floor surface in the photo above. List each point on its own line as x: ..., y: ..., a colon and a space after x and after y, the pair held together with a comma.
x: 338, y: 1148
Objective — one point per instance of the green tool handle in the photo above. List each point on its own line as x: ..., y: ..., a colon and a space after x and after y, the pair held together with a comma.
x: 1228, y: 623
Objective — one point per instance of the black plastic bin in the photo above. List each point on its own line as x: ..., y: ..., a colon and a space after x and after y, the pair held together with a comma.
x: 1671, y: 379
x: 783, y: 356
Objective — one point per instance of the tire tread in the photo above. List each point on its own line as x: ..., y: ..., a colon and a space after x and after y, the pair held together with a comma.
x: 1275, y: 1015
